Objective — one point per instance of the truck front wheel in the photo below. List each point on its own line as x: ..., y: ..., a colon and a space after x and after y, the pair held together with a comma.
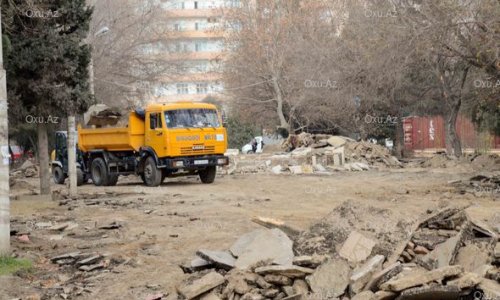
x: 208, y: 175
x: 58, y: 174
x: 152, y: 175
x: 99, y: 172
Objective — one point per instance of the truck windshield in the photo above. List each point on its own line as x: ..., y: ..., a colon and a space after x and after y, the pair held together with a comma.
x: 191, y: 118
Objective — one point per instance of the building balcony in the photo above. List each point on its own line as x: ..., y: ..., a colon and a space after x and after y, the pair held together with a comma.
x: 197, y: 34
x: 187, y: 56
x: 193, y: 77
x: 194, y: 13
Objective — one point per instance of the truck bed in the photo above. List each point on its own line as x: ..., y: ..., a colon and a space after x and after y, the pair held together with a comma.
x: 129, y: 138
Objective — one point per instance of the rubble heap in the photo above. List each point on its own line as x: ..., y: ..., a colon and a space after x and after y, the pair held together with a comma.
x: 308, y: 153
x: 479, y: 185
x: 448, y: 256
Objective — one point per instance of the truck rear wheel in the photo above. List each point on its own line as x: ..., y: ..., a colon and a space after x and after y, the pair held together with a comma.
x: 152, y: 175
x: 99, y: 172
x: 58, y: 174
x: 208, y: 175
x: 80, y: 177
x: 112, y: 180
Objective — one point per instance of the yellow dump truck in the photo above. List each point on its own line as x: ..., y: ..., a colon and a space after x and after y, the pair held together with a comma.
x: 162, y: 140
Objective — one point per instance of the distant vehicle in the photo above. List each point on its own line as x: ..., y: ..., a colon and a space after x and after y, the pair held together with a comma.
x: 16, y: 153
x: 255, y: 146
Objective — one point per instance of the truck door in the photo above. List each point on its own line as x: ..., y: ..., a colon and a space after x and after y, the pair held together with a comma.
x: 155, y: 133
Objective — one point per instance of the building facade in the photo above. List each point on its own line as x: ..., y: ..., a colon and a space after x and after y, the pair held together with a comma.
x: 194, y: 47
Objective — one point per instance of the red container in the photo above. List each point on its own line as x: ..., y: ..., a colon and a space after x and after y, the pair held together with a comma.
x: 427, y: 133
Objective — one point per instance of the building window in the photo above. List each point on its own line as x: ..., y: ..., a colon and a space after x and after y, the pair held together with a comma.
x: 177, y: 27
x: 202, y: 88
x: 195, y: 4
x: 200, y: 46
x: 182, y: 89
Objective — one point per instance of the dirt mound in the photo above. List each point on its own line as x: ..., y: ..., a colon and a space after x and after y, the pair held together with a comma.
x: 383, y: 225
x: 486, y: 162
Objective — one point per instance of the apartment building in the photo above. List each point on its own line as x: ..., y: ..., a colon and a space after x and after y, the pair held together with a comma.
x: 195, y: 48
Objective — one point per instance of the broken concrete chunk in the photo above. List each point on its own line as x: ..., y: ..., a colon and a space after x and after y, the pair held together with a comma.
x: 288, y: 271
x: 210, y: 296
x: 383, y: 276
x: 221, y: 259
x: 385, y: 295
x: 472, y: 258
x: 243, y: 241
x: 467, y: 280
x: 90, y: 260
x: 413, y: 280
x: 366, y: 295
x: 309, y: 261
x: 300, y: 287
x: 288, y: 290
x: 496, y: 251
x: 361, y: 275
x: 357, y: 247
x: 444, y: 253
x: 336, y: 141
x: 330, y: 279
x: 431, y: 292
x: 269, y: 245
x: 278, y: 279
x: 202, y: 285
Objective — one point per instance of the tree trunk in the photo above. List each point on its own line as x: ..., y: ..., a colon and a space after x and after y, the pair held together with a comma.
x: 279, y: 109
x: 453, y: 146
x: 4, y: 162
x: 72, y: 156
x: 43, y: 159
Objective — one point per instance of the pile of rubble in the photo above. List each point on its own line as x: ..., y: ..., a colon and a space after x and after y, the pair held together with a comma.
x: 479, y: 185
x: 26, y: 170
x: 448, y: 256
x: 308, y: 153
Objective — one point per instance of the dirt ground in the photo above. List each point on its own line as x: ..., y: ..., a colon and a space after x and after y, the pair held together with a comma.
x: 162, y: 228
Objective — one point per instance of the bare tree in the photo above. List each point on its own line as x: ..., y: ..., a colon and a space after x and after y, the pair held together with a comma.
x: 132, y: 54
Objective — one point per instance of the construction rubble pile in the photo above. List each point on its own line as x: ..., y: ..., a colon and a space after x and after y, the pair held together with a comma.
x: 306, y: 153
x: 26, y: 170
x: 447, y: 256
x: 479, y: 185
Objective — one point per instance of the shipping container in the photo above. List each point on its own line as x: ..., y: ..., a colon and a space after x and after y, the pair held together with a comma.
x: 428, y: 134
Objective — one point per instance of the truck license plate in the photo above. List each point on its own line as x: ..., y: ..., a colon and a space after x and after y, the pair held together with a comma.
x: 201, y: 162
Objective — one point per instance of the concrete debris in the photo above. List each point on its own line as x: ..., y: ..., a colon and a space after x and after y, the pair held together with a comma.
x: 406, y: 282
x: 202, y: 285
x: 357, y: 247
x: 286, y: 270
x: 361, y: 275
x: 330, y: 279
x: 431, y: 292
x: 262, y: 264
x: 101, y: 115
x: 269, y: 245
x: 221, y: 259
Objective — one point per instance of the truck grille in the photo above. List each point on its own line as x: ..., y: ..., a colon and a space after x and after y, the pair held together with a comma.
x: 191, y: 151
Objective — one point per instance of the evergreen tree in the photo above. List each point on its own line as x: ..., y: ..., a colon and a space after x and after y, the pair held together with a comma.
x: 47, y: 60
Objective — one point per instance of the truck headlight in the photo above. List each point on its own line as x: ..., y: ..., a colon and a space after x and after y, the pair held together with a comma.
x: 179, y: 164
x: 221, y: 161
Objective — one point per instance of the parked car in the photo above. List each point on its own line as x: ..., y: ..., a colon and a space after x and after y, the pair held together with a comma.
x: 16, y: 153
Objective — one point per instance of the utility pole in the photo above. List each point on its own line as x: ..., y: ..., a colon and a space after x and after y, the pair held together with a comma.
x: 4, y: 159
x: 72, y: 156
